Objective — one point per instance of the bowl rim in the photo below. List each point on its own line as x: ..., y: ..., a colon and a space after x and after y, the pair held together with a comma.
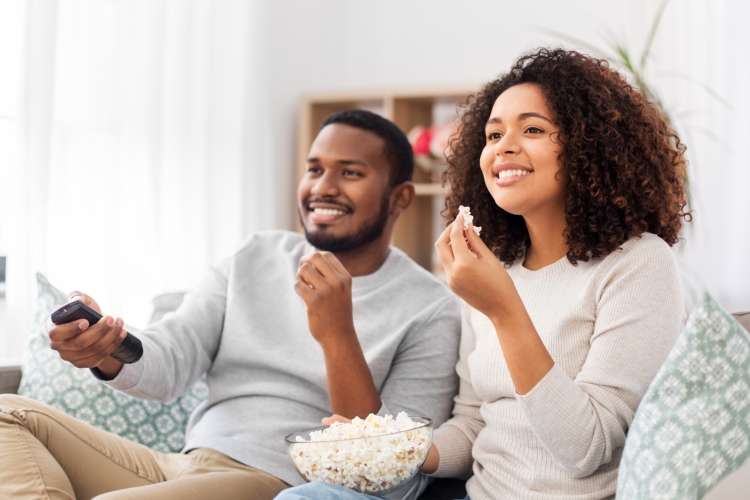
x: 291, y: 437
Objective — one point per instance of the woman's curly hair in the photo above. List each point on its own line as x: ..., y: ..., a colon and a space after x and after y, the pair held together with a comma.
x: 622, y: 163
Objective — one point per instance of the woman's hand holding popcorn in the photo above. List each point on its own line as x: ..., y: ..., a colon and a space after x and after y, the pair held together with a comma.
x: 473, y: 272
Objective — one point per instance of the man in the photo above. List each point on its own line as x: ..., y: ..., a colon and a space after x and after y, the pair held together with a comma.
x: 287, y: 331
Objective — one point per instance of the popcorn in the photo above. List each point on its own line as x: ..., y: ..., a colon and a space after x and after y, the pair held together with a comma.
x: 465, y: 212
x: 371, y: 455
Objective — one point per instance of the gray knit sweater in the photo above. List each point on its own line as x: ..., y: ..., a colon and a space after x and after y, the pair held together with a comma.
x: 608, y: 324
x: 246, y: 329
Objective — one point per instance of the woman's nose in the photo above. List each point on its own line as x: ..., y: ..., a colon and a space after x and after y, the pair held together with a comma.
x: 507, y: 145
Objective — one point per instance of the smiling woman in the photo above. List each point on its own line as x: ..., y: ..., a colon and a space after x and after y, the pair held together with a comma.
x: 575, y: 180
x: 622, y: 164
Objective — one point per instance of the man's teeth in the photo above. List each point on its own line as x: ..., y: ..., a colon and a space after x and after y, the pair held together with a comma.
x: 504, y: 174
x: 328, y: 211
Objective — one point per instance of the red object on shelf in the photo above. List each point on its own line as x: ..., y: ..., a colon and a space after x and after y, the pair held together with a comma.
x: 420, y: 139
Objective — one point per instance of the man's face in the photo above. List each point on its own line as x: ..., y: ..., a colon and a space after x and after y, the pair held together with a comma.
x: 343, y: 196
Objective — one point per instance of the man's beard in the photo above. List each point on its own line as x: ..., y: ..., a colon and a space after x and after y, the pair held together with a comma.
x: 369, y: 232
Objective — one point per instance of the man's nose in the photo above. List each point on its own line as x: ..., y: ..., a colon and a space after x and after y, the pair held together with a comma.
x: 326, y: 185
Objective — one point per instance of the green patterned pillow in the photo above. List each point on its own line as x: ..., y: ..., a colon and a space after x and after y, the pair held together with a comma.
x: 693, y: 426
x: 49, y: 379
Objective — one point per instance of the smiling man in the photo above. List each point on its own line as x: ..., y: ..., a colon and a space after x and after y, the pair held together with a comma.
x: 287, y: 330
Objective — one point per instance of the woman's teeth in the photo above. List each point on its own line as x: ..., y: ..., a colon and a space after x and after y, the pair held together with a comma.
x: 505, y: 174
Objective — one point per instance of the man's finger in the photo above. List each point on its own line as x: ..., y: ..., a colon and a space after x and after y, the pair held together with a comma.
x: 111, y: 340
x: 321, y: 264
x: 302, y: 289
x: 102, y: 346
x: 335, y: 264
x: 85, y: 339
x: 67, y: 331
x: 86, y: 299
x: 310, y: 275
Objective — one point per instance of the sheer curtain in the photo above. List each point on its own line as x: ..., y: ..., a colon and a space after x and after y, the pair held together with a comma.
x: 136, y: 151
x: 690, y: 64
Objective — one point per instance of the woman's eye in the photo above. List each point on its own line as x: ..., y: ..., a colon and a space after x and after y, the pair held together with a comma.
x: 494, y: 136
x: 534, y: 130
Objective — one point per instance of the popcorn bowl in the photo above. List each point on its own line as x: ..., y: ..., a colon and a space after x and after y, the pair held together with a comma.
x: 372, y: 464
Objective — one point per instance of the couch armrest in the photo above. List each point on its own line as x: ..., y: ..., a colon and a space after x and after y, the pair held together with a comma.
x: 10, y: 376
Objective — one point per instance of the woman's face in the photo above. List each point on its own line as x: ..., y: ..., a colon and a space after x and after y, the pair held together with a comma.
x: 519, y: 161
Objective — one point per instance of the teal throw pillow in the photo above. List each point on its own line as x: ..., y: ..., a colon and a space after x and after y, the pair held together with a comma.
x: 49, y: 379
x: 693, y: 426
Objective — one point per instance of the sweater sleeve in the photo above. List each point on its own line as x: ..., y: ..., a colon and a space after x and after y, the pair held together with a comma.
x: 582, y: 420
x: 455, y: 438
x: 421, y: 380
x: 179, y: 349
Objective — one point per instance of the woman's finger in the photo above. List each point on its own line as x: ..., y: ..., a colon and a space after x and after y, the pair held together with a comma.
x: 460, y: 248
x: 476, y: 244
x: 443, y: 248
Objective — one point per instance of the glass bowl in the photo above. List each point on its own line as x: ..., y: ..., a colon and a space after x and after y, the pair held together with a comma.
x: 374, y: 464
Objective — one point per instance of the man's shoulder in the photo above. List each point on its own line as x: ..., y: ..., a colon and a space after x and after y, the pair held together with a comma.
x: 273, y: 241
x: 421, y: 284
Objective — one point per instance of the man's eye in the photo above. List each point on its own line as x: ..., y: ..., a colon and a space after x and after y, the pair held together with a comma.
x: 534, y: 130
x: 352, y: 173
x: 313, y: 170
x: 494, y: 136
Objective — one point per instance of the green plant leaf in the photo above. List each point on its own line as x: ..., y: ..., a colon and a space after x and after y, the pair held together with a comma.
x: 711, y: 92
x: 652, y: 34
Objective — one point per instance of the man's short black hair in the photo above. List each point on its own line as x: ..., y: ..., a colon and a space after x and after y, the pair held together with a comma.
x: 397, y: 147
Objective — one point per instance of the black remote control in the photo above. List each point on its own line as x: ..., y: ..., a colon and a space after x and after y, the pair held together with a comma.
x: 129, y: 351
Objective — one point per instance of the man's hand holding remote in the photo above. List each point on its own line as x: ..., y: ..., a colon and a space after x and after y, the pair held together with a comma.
x: 90, y: 346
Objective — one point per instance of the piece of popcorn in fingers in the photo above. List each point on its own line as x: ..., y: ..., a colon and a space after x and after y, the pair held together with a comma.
x: 468, y: 219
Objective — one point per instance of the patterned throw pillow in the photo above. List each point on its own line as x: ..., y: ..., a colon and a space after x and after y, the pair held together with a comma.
x: 693, y: 426
x: 49, y: 379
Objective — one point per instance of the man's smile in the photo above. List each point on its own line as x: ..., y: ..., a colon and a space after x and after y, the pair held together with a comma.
x: 326, y: 212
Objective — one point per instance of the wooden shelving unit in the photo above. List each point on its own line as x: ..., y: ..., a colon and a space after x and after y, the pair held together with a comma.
x: 416, y: 229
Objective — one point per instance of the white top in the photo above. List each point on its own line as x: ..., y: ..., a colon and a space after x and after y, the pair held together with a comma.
x: 608, y: 324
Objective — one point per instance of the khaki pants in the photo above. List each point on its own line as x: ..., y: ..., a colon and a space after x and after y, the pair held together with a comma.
x: 45, y: 454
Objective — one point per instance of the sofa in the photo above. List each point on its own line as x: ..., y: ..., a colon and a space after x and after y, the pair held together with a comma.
x: 735, y: 486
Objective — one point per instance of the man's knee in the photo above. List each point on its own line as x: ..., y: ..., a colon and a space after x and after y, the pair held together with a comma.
x: 17, y: 410
x: 13, y: 402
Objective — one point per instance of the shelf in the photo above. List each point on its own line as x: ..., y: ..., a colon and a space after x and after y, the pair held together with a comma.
x: 429, y: 189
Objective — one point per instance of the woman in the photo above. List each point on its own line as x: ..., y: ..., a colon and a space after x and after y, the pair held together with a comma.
x: 572, y: 295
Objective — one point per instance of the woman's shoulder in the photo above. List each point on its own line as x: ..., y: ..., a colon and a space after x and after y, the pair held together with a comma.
x: 646, y: 247
x: 646, y: 254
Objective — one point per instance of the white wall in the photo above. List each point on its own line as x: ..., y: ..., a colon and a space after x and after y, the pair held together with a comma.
x: 324, y: 45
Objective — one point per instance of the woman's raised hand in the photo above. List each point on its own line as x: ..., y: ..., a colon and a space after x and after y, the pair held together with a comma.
x: 473, y: 272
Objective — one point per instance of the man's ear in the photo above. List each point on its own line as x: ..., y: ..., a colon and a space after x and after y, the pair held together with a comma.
x: 401, y: 197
